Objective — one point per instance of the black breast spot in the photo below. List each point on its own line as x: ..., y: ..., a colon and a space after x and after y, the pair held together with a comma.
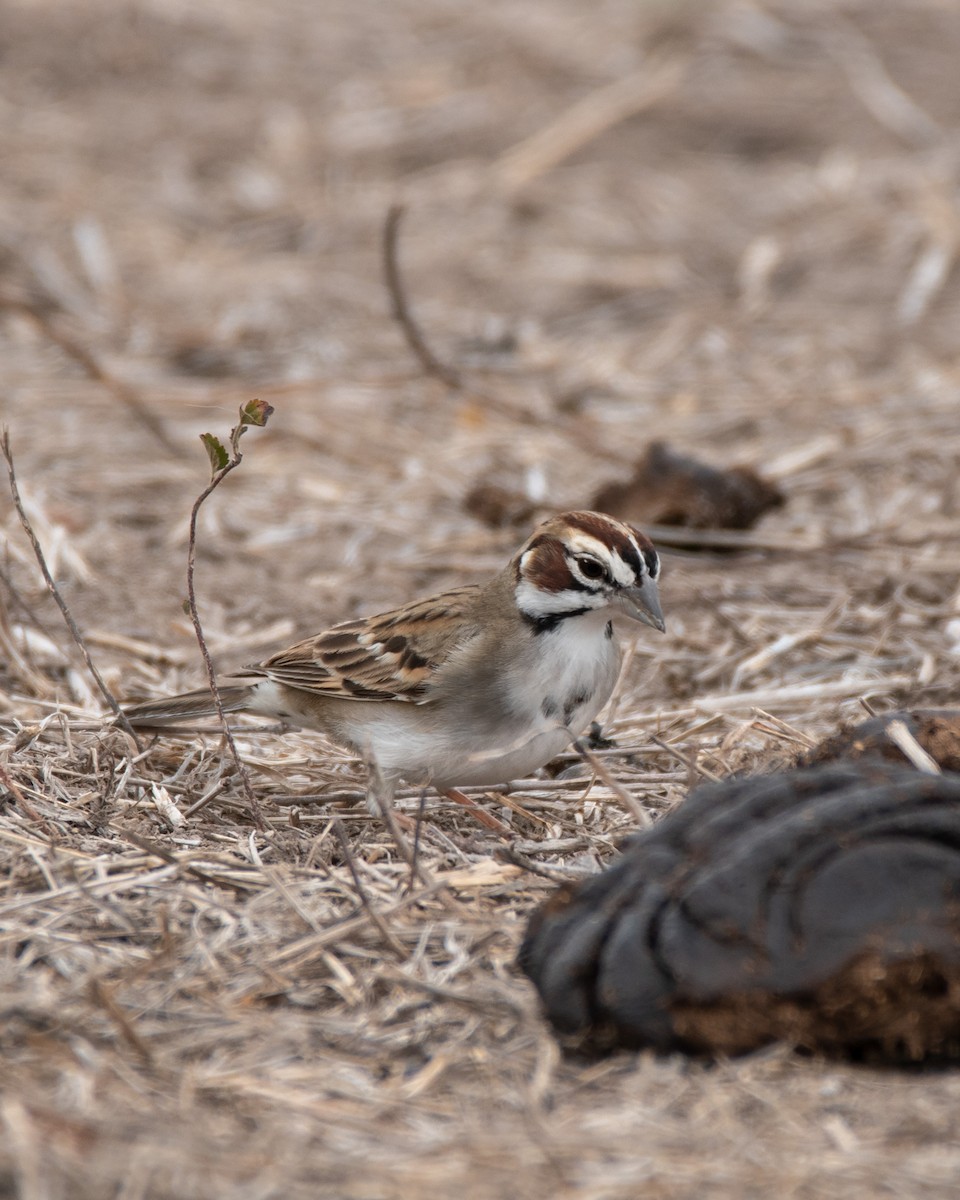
x: 577, y: 700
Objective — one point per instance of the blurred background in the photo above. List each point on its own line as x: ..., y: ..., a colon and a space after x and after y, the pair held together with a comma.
x: 732, y: 226
x: 729, y: 226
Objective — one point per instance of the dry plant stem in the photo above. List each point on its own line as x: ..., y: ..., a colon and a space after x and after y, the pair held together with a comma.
x: 28, y: 810
x: 20, y: 661
x: 384, y: 930
x: 870, y: 81
x: 904, y: 740
x: 400, y: 309
x: 511, y: 855
x: 690, y: 763
x: 431, y: 364
x: 205, y: 799
x: 632, y: 806
x: 22, y: 604
x: 481, y: 814
x: 439, y: 992
x: 681, y: 537
x: 217, y: 478
x: 788, y: 732
x: 54, y: 591
x: 514, y: 806
x: 92, y: 366
x: 102, y: 995
x: 150, y: 847
x: 586, y: 120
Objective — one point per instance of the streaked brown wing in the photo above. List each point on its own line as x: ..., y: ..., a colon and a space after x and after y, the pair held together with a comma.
x: 392, y: 656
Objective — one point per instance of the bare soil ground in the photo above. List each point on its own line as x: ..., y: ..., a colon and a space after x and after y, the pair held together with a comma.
x: 730, y: 225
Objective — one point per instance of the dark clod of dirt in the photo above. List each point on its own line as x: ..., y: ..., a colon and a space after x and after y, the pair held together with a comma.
x: 668, y: 488
x: 499, y: 507
x: 820, y: 907
x: 935, y: 730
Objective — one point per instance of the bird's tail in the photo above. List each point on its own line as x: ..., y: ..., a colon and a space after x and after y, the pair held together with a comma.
x: 187, y: 707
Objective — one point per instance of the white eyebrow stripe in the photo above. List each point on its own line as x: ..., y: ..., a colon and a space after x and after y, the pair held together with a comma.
x: 585, y: 543
x: 622, y: 572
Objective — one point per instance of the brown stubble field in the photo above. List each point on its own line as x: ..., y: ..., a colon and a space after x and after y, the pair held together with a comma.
x: 730, y: 225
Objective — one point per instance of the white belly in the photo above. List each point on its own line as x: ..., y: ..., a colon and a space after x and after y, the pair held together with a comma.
x: 407, y: 745
x: 505, y: 726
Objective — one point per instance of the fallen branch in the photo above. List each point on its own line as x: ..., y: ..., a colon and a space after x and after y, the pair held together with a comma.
x: 400, y: 309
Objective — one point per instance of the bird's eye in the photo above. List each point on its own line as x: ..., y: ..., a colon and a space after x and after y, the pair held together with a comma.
x: 590, y: 568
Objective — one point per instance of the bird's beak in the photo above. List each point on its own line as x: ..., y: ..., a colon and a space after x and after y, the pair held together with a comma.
x: 642, y: 604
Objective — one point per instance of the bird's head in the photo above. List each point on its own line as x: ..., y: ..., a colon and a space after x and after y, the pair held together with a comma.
x: 580, y: 562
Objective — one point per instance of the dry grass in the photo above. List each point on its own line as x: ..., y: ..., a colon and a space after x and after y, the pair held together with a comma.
x: 730, y: 226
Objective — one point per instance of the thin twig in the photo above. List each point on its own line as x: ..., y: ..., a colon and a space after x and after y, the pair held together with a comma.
x: 872, y: 84
x: 306, y: 948
x: 630, y: 803
x: 157, y: 851
x: 587, y: 119
x: 385, y: 932
x: 473, y: 1000
x: 54, y: 591
x: 400, y: 309
x: 256, y: 412
x: 768, y: 723
x: 511, y: 855
x: 103, y: 995
x: 28, y: 810
x: 690, y: 763
x: 21, y: 603
x: 205, y: 799
x: 684, y: 538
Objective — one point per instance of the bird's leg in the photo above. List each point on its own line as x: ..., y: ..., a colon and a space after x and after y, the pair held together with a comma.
x: 380, y: 791
x: 480, y: 813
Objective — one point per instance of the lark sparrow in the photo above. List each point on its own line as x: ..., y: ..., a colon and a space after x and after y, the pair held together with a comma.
x: 474, y: 686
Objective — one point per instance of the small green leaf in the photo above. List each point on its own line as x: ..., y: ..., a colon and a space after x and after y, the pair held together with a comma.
x: 215, y: 452
x: 255, y: 412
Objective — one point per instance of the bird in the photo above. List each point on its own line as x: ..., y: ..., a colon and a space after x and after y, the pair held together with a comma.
x: 473, y: 686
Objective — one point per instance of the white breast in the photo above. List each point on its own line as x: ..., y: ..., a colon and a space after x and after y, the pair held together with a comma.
x: 515, y: 722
